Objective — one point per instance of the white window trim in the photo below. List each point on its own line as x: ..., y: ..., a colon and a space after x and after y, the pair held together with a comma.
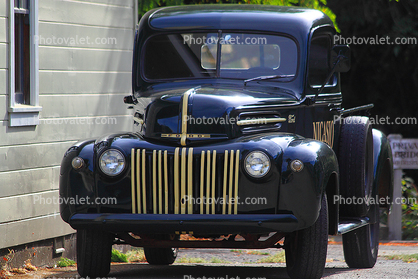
x: 24, y: 115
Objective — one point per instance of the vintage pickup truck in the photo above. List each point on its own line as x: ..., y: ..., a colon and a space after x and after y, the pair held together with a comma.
x: 239, y: 140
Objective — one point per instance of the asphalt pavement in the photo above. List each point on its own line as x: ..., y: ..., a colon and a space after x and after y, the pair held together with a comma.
x: 241, y: 265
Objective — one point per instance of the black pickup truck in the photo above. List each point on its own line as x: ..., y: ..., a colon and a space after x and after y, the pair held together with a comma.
x: 239, y: 140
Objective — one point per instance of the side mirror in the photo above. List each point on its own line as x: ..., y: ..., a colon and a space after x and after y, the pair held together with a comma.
x: 343, y: 54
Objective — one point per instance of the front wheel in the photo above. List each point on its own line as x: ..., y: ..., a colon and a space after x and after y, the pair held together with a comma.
x: 160, y: 256
x: 361, y: 245
x: 94, y: 249
x: 306, y: 250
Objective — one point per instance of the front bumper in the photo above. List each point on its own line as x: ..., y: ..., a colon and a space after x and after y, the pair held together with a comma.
x: 186, y: 223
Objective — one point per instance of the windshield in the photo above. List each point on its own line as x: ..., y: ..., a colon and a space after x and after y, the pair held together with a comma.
x: 241, y: 56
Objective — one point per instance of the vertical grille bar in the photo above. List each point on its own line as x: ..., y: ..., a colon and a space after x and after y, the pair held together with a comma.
x: 231, y: 171
x: 236, y: 183
x: 154, y: 181
x: 225, y: 185
x: 133, y: 181
x: 176, y: 181
x: 160, y: 183
x: 138, y: 179
x: 165, y: 183
x: 213, y: 180
x: 183, y: 180
x: 190, y: 181
x: 202, y: 179
x: 207, y: 180
x: 144, y: 191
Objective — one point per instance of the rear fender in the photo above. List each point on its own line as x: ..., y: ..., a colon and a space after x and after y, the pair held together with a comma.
x: 383, y: 170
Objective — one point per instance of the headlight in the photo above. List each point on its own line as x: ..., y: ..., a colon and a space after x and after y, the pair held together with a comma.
x: 112, y: 162
x: 257, y: 164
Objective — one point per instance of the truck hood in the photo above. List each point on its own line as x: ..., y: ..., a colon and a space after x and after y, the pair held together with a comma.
x: 191, y: 116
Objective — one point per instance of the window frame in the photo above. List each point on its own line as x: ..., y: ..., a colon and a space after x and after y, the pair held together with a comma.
x: 24, y: 114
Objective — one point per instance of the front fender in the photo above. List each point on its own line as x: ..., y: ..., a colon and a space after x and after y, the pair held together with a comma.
x: 301, y: 192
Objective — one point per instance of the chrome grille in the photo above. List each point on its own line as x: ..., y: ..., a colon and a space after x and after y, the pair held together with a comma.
x: 160, y: 181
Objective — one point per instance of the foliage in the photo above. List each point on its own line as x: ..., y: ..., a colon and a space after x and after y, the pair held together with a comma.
x: 276, y: 258
x: 146, y: 5
x: 191, y: 260
x: 383, y: 74
x: 136, y: 255
x: 118, y: 257
x: 413, y: 258
x: 409, y: 210
x: 64, y: 262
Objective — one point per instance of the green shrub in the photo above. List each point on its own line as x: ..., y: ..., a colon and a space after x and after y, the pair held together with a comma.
x: 118, y: 257
x: 64, y: 262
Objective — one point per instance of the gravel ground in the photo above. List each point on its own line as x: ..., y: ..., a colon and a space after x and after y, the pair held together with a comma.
x: 243, y: 266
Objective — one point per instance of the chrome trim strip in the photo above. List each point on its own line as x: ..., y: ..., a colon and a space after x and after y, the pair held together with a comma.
x: 160, y: 183
x: 138, y: 179
x: 176, y: 181
x: 183, y: 180
x: 165, y: 183
x: 225, y: 185
x: 207, y: 180
x: 190, y: 181
x: 184, y: 117
x: 260, y: 121
x: 213, y: 180
x: 144, y: 191
x: 133, y: 180
x: 236, y: 183
x: 231, y: 171
x: 202, y: 179
x: 154, y: 181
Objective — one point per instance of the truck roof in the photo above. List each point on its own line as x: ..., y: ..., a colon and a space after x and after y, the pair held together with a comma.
x: 292, y: 20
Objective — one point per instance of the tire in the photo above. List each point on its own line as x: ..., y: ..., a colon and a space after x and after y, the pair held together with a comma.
x: 306, y: 250
x: 361, y: 246
x: 356, y: 165
x: 94, y: 248
x: 160, y: 256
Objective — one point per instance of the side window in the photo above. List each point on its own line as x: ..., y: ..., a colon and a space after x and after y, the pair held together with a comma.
x: 319, y: 56
x: 23, y: 68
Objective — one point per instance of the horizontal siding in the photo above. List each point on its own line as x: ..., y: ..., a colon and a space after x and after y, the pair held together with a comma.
x: 81, y: 86
x: 4, y: 82
x: 82, y: 105
x: 3, y: 30
x: 78, y: 59
x: 71, y: 82
x: 123, y: 3
x: 85, y: 13
x: 56, y: 34
x: 3, y: 109
x: 31, y: 156
x: 56, y: 129
x: 4, y: 54
x: 4, y: 7
x: 32, y: 230
x: 28, y: 206
x: 29, y: 181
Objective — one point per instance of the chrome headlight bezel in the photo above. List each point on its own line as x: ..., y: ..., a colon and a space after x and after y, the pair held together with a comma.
x: 266, y: 164
x: 120, y: 162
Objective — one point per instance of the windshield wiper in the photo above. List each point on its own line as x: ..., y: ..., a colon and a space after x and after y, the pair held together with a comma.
x: 266, y: 78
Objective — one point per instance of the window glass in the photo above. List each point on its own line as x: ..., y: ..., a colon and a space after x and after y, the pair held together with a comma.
x: 319, y: 60
x: 242, y: 56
